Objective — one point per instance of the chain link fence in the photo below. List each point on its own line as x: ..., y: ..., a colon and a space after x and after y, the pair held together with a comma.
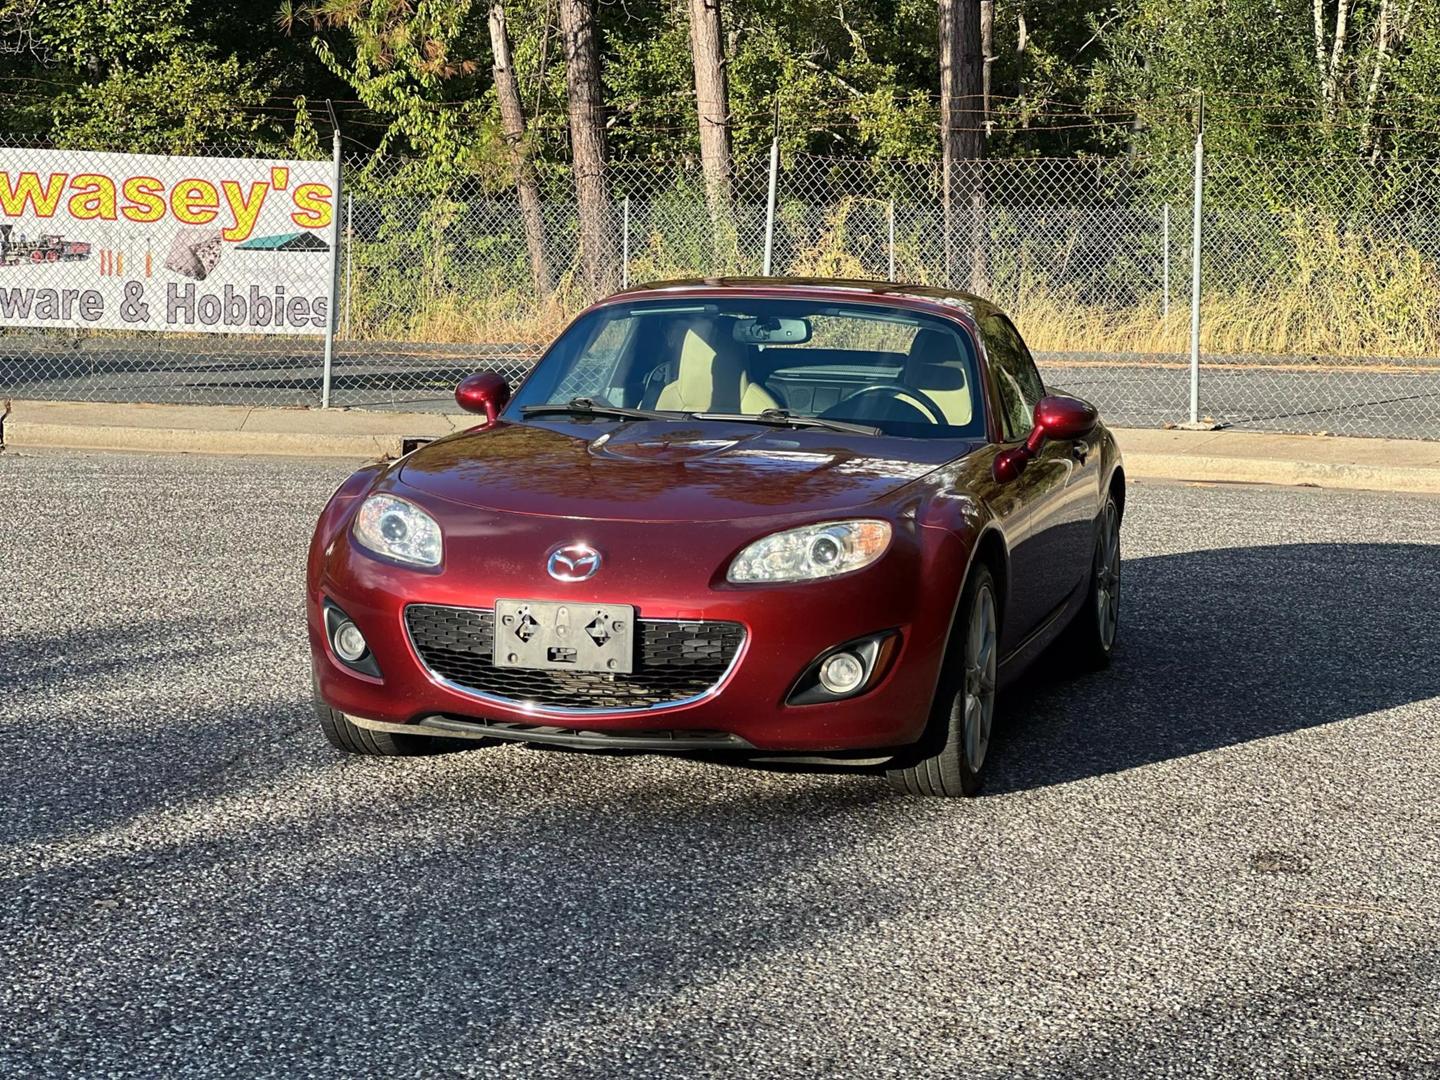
x: 1320, y: 293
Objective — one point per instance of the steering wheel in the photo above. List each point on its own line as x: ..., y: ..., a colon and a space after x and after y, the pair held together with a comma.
x: 898, y: 391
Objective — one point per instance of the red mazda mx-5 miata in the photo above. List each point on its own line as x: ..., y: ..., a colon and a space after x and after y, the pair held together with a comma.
x: 762, y: 516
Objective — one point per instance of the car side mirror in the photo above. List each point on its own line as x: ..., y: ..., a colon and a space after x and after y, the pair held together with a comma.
x: 485, y: 393
x: 1056, y: 417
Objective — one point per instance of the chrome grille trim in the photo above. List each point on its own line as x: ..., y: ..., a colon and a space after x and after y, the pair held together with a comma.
x: 484, y: 618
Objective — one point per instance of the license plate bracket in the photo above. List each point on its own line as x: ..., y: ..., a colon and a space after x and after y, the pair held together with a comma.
x: 546, y: 635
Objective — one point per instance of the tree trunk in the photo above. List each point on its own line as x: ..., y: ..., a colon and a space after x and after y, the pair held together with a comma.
x: 1322, y: 78
x: 1022, y: 47
x: 587, y: 142
x: 512, y: 122
x: 1337, y: 55
x: 987, y: 55
x: 1372, y: 94
x: 962, y: 133
x: 711, y: 104
x: 1396, y: 35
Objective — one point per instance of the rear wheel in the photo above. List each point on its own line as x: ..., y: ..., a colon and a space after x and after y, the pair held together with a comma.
x: 949, y: 759
x: 343, y: 734
x: 1090, y: 638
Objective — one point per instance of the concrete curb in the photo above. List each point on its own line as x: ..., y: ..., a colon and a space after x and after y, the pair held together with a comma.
x: 25, y: 434
x: 218, y: 429
x: 1237, y: 470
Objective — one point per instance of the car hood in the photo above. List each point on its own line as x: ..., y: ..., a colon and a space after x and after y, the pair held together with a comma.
x: 668, y: 470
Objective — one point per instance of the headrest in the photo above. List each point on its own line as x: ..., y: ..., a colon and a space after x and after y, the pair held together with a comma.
x: 935, y: 376
x: 935, y: 362
x: 709, y: 370
x: 933, y: 346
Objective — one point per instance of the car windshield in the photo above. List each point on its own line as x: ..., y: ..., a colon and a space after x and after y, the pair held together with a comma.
x: 887, y: 369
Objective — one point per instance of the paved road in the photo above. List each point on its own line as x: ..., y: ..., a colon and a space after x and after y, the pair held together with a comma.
x: 1379, y: 398
x: 1219, y: 858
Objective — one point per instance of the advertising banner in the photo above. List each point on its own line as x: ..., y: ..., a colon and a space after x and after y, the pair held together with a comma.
x: 146, y: 242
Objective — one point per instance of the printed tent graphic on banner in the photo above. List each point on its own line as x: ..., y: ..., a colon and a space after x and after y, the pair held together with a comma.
x: 286, y: 242
x: 147, y: 242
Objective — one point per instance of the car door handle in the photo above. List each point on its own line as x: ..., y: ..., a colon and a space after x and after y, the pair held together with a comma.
x: 1080, y: 451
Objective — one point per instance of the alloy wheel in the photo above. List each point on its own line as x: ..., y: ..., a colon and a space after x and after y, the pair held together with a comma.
x: 978, y: 694
x: 1107, y: 575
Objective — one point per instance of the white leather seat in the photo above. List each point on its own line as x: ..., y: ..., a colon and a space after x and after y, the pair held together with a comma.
x: 936, y: 367
x: 710, y: 375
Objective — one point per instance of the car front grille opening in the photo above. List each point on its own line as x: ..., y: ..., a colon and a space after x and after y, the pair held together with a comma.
x: 674, y: 661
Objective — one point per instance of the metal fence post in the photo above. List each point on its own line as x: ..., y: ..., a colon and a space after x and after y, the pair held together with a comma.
x: 349, y: 258
x: 1199, y: 203
x: 334, y: 269
x: 892, y: 239
x: 1165, y: 241
x: 625, y: 245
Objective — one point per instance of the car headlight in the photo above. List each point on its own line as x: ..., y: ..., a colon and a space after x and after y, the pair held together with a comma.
x: 814, y: 551
x: 398, y: 530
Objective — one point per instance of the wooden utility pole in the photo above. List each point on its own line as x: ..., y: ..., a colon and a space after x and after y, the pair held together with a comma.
x: 512, y: 122
x: 711, y: 103
x: 588, y: 153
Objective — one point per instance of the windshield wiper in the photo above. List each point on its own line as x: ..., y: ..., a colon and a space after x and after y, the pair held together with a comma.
x: 584, y: 406
x: 785, y: 418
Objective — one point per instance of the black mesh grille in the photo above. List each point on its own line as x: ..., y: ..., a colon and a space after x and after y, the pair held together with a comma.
x: 674, y: 660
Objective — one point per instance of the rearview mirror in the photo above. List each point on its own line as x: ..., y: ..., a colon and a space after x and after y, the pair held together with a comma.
x: 771, y: 330
x: 485, y: 393
x: 1056, y: 417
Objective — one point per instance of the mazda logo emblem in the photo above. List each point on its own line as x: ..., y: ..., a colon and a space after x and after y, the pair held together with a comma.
x: 573, y: 562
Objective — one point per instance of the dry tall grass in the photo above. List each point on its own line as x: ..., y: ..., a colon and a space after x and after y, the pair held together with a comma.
x: 1338, y: 294
x: 1316, y: 290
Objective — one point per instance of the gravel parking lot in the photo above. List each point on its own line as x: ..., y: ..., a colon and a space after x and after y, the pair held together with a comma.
x: 1218, y: 858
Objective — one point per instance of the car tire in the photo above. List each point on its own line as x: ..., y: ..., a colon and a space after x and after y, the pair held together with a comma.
x: 1089, y: 640
x: 343, y: 734
x: 950, y: 759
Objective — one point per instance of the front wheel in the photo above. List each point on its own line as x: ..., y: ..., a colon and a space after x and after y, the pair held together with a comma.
x: 343, y: 734
x: 949, y: 759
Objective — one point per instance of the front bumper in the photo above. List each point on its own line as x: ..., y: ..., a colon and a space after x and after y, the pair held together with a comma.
x: 785, y: 629
x: 553, y: 735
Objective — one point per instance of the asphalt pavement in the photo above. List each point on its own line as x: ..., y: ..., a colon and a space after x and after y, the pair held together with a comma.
x: 1218, y: 858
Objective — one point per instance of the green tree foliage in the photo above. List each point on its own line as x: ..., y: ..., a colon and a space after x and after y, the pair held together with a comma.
x: 853, y: 77
x: 415, y: 67
x: 174, y: 105
x: 1364, y: 84
x: 148, y: 75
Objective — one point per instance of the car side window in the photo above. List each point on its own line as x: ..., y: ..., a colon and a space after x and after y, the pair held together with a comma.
x: 1017, y: 383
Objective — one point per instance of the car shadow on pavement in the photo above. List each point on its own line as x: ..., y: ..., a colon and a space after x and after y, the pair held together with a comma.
x: 1224, y: 646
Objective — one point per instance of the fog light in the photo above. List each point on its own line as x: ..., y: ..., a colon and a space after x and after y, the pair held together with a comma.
x: 349, y: 642
x: 842, y: 673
